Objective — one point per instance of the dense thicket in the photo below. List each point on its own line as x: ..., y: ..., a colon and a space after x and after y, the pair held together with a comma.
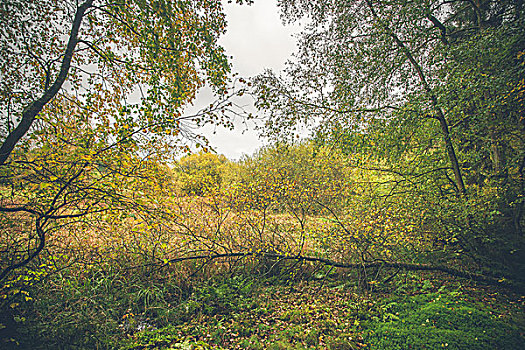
x: 92, y: 100
x: 412, y: 182
x: 432, y: 93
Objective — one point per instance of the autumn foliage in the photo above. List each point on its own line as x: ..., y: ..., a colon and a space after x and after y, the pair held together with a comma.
x: 400, y: 216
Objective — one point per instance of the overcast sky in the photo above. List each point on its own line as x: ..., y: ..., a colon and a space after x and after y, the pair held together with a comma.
x: 257, y: 39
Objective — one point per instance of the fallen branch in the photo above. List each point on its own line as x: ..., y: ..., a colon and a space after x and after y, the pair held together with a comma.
x: 502, y: 282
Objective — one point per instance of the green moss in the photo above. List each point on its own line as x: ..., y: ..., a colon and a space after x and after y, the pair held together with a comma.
x: 435, y: 321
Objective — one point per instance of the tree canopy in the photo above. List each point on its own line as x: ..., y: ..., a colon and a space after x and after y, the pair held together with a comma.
x: 136, y: 63
x: 410, y: 186
x: 431, y: 91
x: 92, y: 96
x: 417, y: 73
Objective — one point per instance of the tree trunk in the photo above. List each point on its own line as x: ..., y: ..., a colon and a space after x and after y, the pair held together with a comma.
x: 30, y: 112
x: 440, y: 116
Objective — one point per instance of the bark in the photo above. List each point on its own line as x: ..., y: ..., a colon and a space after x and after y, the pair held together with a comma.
x: 441, y: 27
x: 30, y: 112
x: 451, y: 153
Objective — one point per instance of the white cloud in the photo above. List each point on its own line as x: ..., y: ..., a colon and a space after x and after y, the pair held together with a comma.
x: 257, y: 39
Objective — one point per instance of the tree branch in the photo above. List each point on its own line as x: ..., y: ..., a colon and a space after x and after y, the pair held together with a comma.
x: 30, y: 112
x: 440, y: 116
x: 41, y: 244
x: 441, y: 27
x: 367, y: 264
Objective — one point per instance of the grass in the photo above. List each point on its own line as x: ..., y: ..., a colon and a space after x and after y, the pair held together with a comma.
x: 317, y: 316
x: 159, y: 310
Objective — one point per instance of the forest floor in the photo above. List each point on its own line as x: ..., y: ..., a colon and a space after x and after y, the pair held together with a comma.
x: 331, y: 314
x: 322, y: 310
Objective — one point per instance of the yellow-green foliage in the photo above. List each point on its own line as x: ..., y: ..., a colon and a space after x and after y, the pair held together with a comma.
x: 294, y: 178
x: 198, y: 173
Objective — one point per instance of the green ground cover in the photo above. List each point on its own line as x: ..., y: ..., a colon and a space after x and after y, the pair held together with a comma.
x: 244, y: 315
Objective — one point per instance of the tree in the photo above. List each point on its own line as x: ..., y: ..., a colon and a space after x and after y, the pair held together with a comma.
x: 200, y: 173
x: 65, y: 177
x: 366, y: 64
x: 430, y: 89
x: 160, y: 50
x: 92, y: 96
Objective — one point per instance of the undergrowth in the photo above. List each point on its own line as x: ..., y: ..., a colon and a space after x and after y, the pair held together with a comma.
x: 113, y: 310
